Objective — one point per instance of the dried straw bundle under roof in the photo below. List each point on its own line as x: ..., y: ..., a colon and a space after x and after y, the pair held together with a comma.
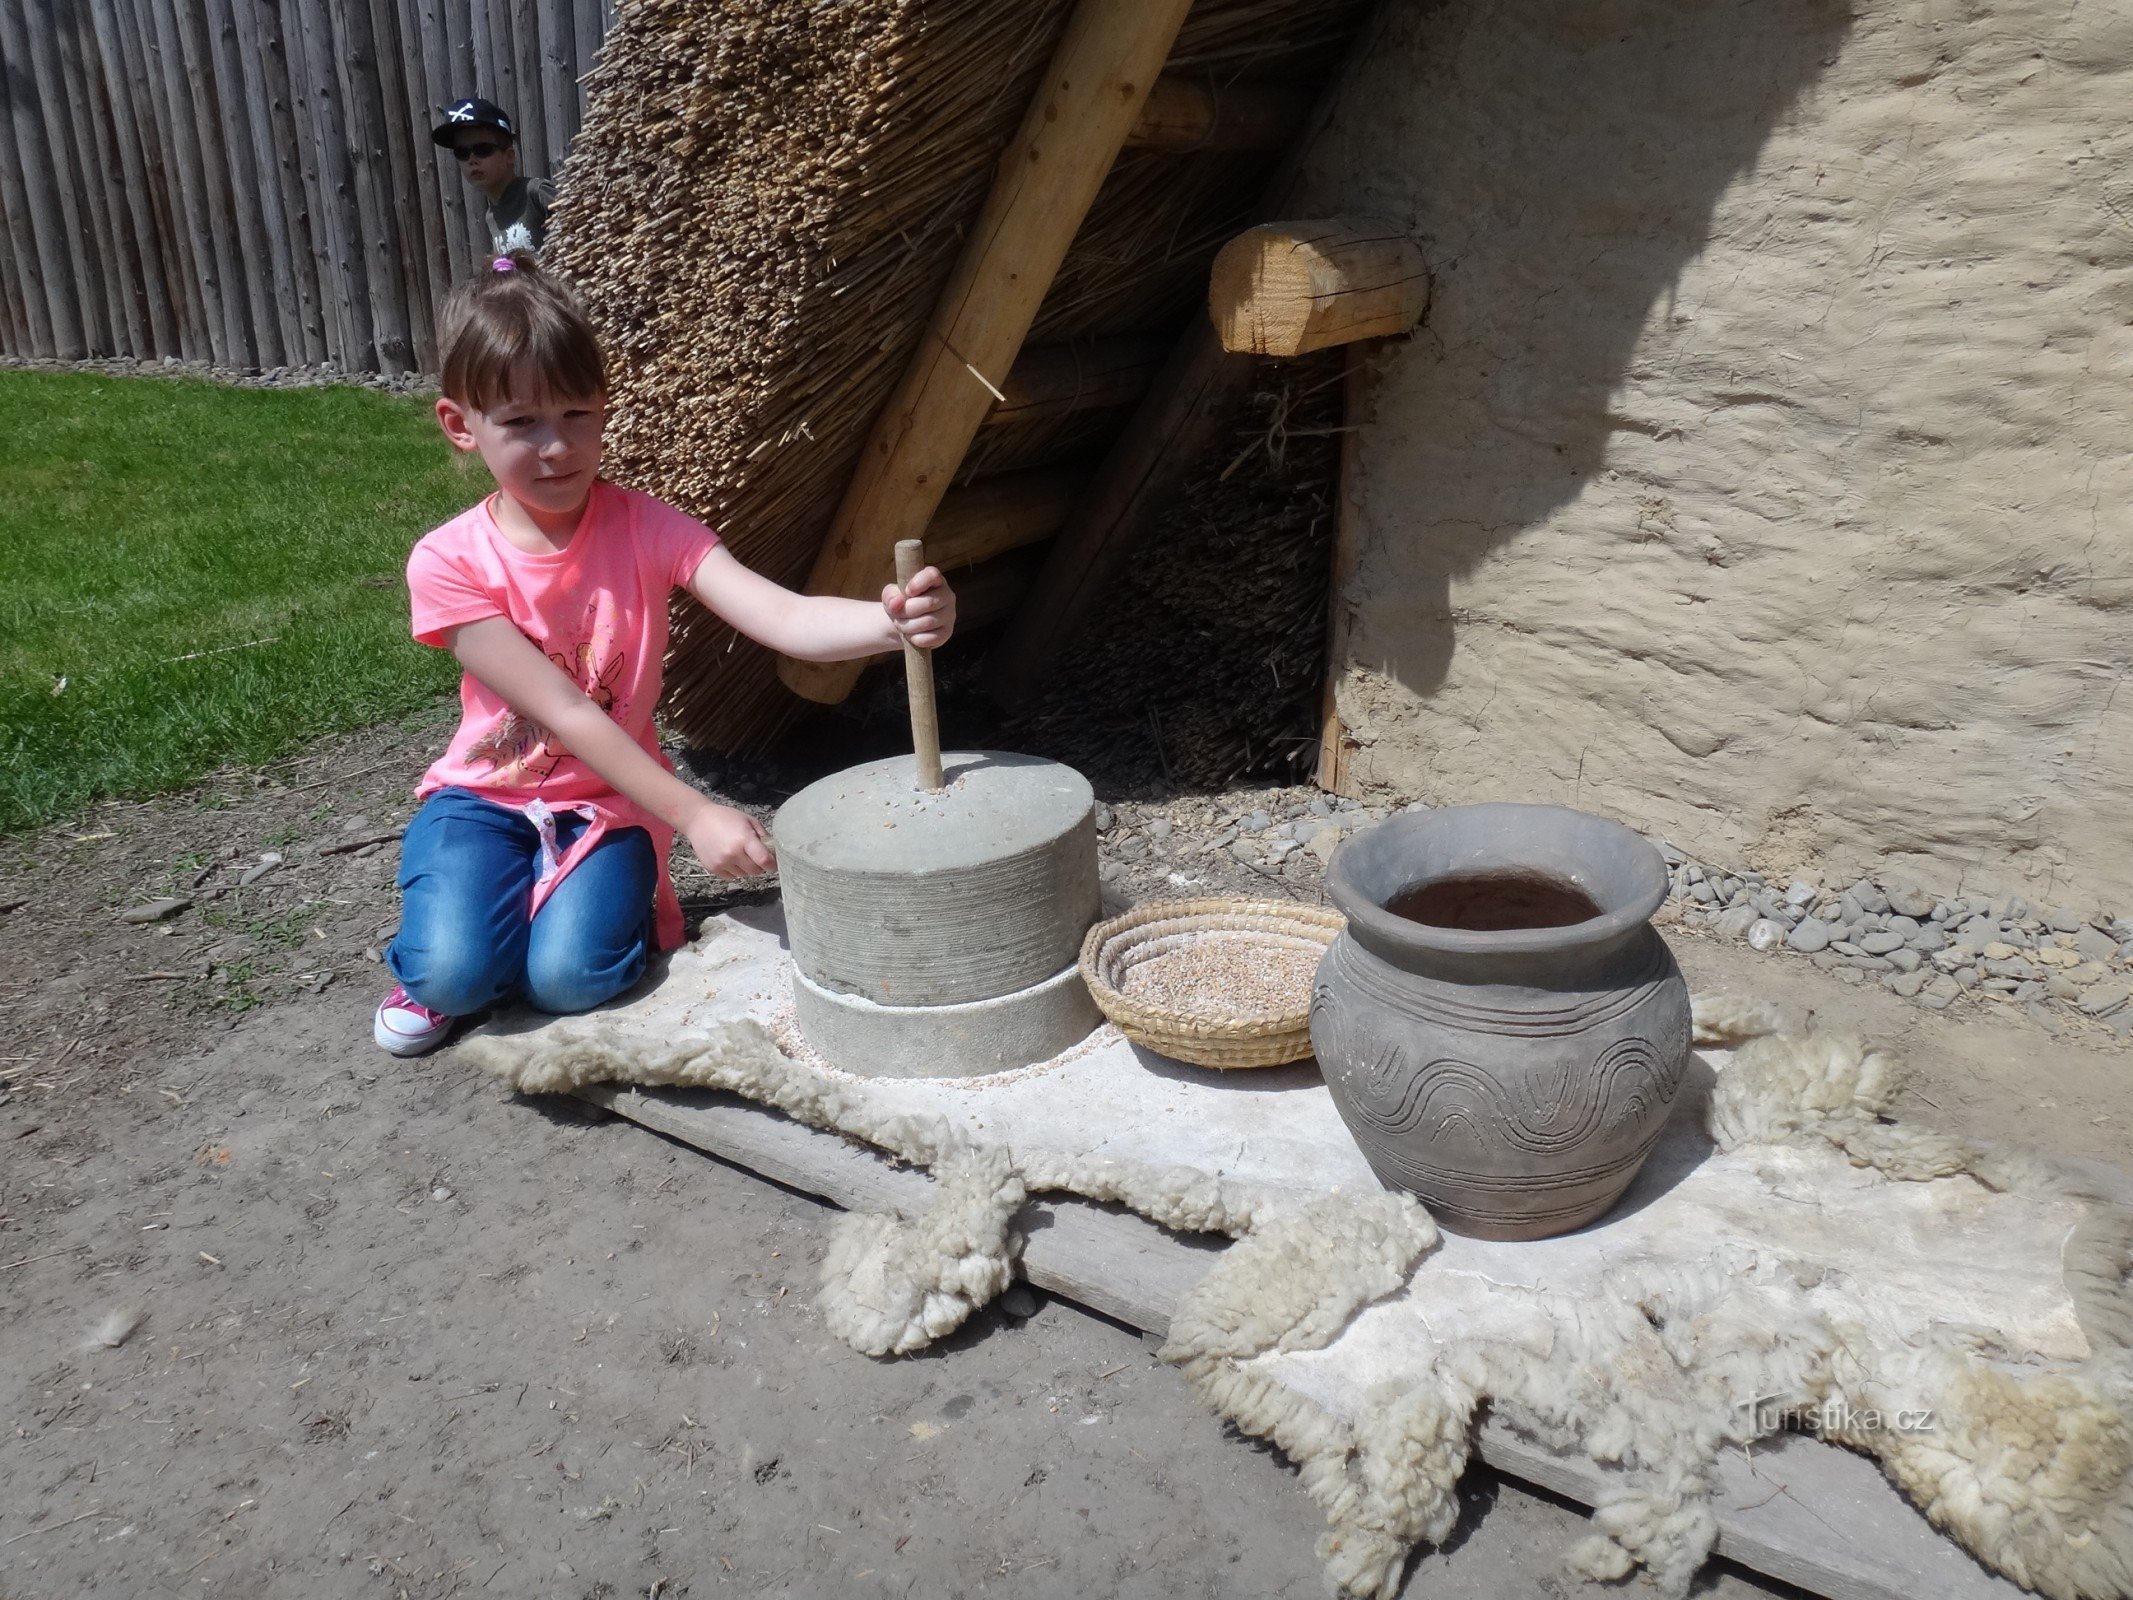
x: 761, y: 208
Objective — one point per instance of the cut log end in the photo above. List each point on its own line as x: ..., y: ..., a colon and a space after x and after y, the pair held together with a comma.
x: 1288, y: 288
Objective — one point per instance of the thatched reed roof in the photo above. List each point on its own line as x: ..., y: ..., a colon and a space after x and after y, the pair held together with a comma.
x: 762, y: 207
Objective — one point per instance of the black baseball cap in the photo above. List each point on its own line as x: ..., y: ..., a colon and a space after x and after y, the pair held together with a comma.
x: 473, y: 112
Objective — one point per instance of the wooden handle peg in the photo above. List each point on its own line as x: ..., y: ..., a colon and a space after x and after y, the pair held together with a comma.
x: 918, y: 677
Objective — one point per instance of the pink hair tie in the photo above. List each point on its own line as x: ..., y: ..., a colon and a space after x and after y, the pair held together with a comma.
x: 504, y: 264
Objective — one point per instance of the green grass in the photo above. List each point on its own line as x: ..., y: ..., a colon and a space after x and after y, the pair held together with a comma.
x: 152, y: 531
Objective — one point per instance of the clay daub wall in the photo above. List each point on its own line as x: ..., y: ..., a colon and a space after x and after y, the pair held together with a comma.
x: 1761, y: 472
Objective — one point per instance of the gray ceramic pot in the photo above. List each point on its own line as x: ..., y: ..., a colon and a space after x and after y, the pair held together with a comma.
x: 1512, y: 1077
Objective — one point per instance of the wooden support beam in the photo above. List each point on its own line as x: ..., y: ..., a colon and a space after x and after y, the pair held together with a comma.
x: 1334, y: 773
x: 995, y: 515
x: 1176, y: 422
x: 992, y: 590
x: 1183, y: 115
x: 1091, y: 94
x: 1058, y: 379
x: 1288, y: 288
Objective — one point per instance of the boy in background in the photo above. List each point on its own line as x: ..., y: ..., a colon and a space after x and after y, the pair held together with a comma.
x: 480, y: 134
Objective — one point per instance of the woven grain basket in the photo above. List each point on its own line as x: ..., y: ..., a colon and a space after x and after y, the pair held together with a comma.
x: 1113, y: 948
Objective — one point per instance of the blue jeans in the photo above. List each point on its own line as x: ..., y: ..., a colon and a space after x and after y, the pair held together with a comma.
x: 466, y: 940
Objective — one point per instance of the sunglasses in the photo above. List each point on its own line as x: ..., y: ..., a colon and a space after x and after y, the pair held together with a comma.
x: 467, y: 152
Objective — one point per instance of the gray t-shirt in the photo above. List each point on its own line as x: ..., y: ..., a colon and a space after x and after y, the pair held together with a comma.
x: 518, y: 218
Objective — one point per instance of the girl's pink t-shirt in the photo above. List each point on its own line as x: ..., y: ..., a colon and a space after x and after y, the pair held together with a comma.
x: 598, y: 610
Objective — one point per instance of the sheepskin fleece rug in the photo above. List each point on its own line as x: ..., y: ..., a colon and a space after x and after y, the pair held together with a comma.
x: 1961, y: 1313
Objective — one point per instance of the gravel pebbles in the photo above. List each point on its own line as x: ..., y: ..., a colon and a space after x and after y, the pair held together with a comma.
x: 2058, y: 961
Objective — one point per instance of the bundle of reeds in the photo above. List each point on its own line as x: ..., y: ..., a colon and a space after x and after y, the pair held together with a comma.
x: 761, y: 208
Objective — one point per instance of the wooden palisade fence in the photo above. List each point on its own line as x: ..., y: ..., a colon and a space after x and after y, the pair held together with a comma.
x: 252, y: 182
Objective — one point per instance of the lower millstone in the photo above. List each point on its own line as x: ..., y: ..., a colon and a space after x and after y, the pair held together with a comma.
x: 964, y: 1040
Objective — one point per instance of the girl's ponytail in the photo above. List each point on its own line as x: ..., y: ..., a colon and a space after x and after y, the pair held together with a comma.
x: 515, y: 331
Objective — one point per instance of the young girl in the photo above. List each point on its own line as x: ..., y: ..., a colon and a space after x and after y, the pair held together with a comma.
x: 537, y: 864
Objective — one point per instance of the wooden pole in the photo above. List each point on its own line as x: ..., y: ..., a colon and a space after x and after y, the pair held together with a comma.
x: 247, y: 22
x: 404, y: 180
x: 345, y: 279
x: 918, y: 678
x: 1177, y: 421
x: 1089, y: 97
x: 203, y: 115
x: 370, y: 162
x: 1057, y: 380
x: 265, y: 254
x: 520, y: 61
x: 1334, y: 745
x: 94, y: 164
x: 122, y: 78
x: 459, y: 79
x: 444, y: 170
x: 127, y: 275
x: 1288, y: 288
x: 193, y: 299
x: 62, y: 137
x: 559, y: 85
x: 427, y: 195
x: 14, y: 320
x: 995, y: 515
x: 21, y: 226
x: 41, y: 191
x: 295, y: 176
x: 585, y: 15
x: 1183, y: 114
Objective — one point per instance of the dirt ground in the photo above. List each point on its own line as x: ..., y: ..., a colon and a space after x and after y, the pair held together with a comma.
x: 408, y: 1334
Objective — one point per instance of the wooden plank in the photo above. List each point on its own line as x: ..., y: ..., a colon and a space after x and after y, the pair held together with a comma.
x: 1335, y: 749
x: 1178, y: 420
x: 121, y: 79
x: 1807, y: 1513
x: 1101, y: 1256
x: 1088, y: 98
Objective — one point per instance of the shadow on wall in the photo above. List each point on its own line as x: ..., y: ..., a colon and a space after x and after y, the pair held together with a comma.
x: 1561, y: 161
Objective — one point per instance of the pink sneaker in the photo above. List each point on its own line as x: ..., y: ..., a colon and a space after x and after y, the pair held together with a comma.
x: 406, y: 1027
